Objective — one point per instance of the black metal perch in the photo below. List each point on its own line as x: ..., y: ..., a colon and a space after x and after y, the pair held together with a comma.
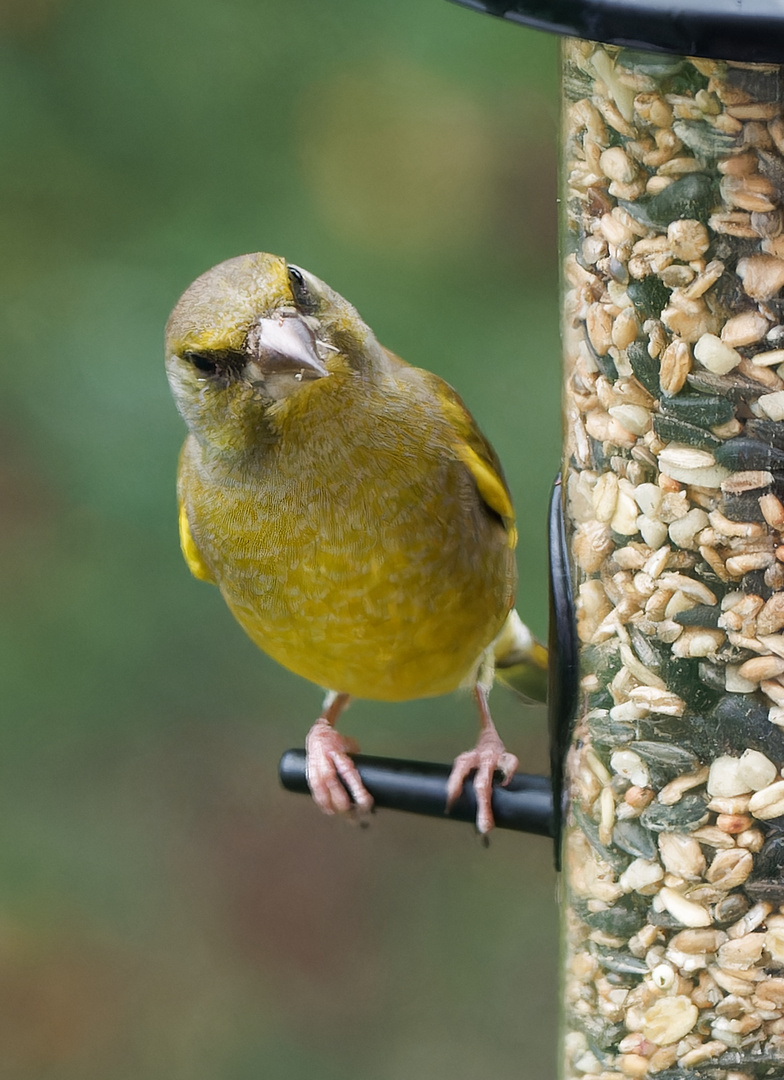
x: 419, y: 787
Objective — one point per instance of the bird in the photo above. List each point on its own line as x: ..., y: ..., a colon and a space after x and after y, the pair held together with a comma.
x: 346, y: 504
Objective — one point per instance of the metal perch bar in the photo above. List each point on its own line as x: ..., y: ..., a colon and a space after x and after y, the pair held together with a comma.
x: 419, y: 787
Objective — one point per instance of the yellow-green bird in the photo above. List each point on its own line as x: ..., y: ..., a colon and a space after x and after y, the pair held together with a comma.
x: 354, y: 517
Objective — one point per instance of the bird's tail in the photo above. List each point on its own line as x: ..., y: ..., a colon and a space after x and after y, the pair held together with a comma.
x: 520, y: 660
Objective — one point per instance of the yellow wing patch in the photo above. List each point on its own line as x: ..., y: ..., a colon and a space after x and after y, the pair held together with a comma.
x: 487, y: 480
x: 481, y: 461
x: 491, y: 488
x: 191, y: 554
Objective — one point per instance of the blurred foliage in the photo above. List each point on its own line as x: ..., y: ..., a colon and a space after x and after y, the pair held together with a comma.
x: 165, y: 910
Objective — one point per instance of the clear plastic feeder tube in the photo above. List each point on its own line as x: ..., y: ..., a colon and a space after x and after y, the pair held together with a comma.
x: 673, y: 278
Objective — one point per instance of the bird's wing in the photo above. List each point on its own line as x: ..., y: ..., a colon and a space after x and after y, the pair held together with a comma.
x: 472, y: 448
x: 191, y: 553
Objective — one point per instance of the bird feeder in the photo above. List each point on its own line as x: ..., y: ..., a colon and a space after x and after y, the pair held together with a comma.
x: 672, y: 191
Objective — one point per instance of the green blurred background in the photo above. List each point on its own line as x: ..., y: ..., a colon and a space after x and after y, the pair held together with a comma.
x: 165, y: 910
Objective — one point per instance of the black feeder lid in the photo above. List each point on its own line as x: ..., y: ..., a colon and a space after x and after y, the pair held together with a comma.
x: 750, y: 31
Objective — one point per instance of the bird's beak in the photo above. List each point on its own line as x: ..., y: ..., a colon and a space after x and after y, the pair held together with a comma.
x: 283, y: 344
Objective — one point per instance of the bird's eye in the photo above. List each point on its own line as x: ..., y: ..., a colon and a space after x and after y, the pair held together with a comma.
x: 300, y: 291
x: 205, y: 364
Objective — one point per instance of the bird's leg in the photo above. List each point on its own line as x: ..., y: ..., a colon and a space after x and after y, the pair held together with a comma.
x: 488, y: 757
x: 327, y: 763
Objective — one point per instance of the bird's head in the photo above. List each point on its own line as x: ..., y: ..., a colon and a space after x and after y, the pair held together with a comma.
x: 249, y: 339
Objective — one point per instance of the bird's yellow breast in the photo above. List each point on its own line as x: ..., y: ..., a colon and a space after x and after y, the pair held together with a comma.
x: 356, y: 549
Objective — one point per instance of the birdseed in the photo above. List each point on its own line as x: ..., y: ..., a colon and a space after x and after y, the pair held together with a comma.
x: 674, y: 495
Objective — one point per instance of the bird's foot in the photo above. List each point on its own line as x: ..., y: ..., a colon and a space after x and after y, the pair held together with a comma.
x: 488, y: 757
x: 332, y: 776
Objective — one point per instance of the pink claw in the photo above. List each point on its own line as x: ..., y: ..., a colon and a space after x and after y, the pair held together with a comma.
x: 488, y: 757
x: 328, y: 768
